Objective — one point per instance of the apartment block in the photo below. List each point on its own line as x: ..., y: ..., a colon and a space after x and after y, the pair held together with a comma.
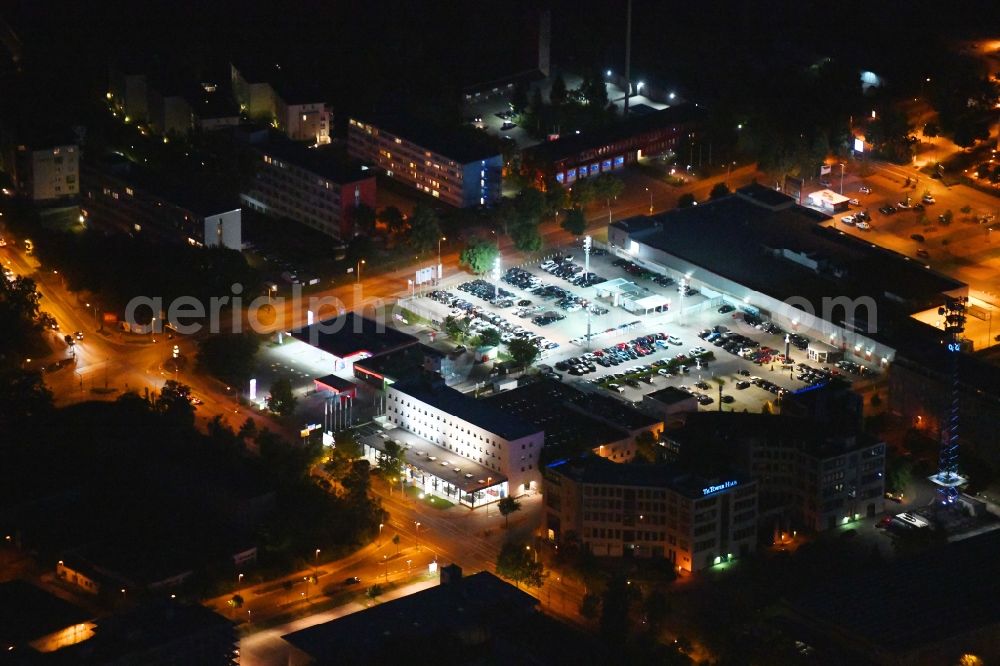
x: 48, y: 173
x: 270, y: 95
x: 312, y: 186
x: 656, y: 511
x: 461, y: 167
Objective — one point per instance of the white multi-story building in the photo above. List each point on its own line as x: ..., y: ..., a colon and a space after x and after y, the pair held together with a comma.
x: 48, y: 174
x: 474, y: 430
x: 299, y: 113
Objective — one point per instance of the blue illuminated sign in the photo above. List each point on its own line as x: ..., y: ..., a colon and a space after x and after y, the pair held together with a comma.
x: 954, y: 347
x: 606, y: 165
x: 559, y: 177
x: 725, y: 485
x: 595, y: 169
x: 619, y: 162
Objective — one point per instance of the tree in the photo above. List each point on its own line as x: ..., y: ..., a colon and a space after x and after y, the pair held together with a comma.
x: 229, y: 356
x: 364, y: 218
x: 281, y: 400
x: 236, y: 601
x: 507, y: 506
x: 425, y: 229
x: 24, y: 398
x: 686, y: 200
x: 390, y: 463
x: 523, y: 352
x: 357, y: 482
x: 456, y: 329
x: 583, y: 192
x: 720, y: 382
x: 489, y: 337
x: 590, y: 606
x: 373, y: 592
x: 594, y: 90
x: 395, y: 542
x: 575, y: 222
x: 479, y: 256
x: 946, y: 217
x: 393, y: 220
x: 526, y: 238
x: 899, y: 474
x: 608, y: 187
x: 519, y: 96
x: 645, y: 447
x: 657, y: 608
x: 931, y: 130
x: 174, y: 402
x: 720, y: 189
x: 616, y: 605
x: 557, y: 93
x: 516, y: 561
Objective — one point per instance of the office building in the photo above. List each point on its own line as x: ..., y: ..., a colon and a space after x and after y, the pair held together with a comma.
x: 810, y: 474
x: 660, y: 511
x: 460, y: 167
x: 311, y: 186
x: 578, y: 156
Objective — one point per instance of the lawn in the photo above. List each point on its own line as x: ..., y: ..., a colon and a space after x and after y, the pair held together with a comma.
x: 429, y: 500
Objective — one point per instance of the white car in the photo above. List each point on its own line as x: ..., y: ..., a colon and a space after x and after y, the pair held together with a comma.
x: 847, y: 219
x: 854, y: 202
x: 864, y: 189
x: 928, y: 199
x: 674, y: 340
x: 864, y: 226
x: 698, y: 351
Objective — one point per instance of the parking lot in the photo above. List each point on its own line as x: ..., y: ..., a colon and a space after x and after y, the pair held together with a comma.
x: 690, y: 345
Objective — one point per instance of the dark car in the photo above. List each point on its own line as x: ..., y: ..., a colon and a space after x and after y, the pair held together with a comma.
x: 725, y: 309
x: 353, y: 580
x: 918, y: 237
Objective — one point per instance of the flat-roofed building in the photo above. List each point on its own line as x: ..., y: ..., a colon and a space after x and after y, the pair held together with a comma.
x: 461, y: 167
x: 467, y: 427
x: 288, y: 102
x: 312, y: 186
x: 47, y: 172
x: 660, y: 511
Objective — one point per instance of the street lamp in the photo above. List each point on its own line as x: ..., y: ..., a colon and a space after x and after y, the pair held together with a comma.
x: 270, y: 290
x: 385, y: 561
x: 650, y: 201
x: 417, y: 531
x: 380, y: 526
x: 439, y: 248
x: 842, y: 165
x: 359, y: 270
x: 239, y: 580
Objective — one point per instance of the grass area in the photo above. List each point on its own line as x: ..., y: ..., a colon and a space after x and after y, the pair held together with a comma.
x: 429, y: 500
x: 413, y: 318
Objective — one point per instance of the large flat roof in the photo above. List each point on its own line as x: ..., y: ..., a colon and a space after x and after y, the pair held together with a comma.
x: 462, y: 144
x: 418, y: 452
x: 597, y: 470
x: 746, y: 238
x: 480, y: 413
x: 572, y: 145
x: 550, y: 408
x: 533, y: 398
x: 416, y: 621
x: 900, y: 608
x: 350, y: 334
x: 324, y: 161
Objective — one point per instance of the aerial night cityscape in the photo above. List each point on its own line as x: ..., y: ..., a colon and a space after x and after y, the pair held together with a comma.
x: 549, y: 331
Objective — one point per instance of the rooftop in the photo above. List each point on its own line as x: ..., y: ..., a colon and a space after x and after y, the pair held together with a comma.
x: 572, y: 145
x: 548, y: 404
x: 463, y: 473
x: 186, y: 191
x: 480, y: 413
x: 325, y: 161
x: 596, y: 470
x: 461, y: 144
x: 351, y: 334
x: 28, y: 613
x: 756, y: 239
x: 432, y: 619
x: 670, y: 395
x: 899, y: 609
x: 398, y: 363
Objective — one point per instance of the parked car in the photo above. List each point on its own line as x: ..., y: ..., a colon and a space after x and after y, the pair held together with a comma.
x: 864, y: 189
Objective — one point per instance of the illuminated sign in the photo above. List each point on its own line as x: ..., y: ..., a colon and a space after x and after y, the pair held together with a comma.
x: 725, y: 485
x: 859, y: 145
